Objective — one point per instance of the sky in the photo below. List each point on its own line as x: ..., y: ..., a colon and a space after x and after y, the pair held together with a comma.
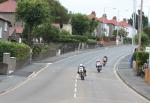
x: 120, y: 8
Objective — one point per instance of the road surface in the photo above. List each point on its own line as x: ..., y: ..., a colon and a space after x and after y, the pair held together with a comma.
x: 59, y: 83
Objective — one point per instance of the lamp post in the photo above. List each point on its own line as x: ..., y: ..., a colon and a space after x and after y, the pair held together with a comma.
x: 140, y: 26
x: 134, y: 20
x: 117, y: 38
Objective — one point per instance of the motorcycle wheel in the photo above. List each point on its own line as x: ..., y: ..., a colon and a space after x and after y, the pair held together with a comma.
x: 82, y: 77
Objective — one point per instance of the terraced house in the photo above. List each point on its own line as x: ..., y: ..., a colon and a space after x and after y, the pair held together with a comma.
x: 106, y: 27
x: 8, y: 11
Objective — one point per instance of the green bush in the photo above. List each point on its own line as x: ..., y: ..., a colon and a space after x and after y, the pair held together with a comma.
x: 141, y: 58
x: 72, y: 38
x: 127, y: 40
x: 39, y: 48
x: 20, y: 51
x: 91, y: 41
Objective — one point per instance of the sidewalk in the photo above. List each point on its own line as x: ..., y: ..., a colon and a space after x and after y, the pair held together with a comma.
x: 137, y: 83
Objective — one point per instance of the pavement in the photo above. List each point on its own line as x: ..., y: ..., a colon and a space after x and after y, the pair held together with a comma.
x: 124, y: 71
x: 129, y: 77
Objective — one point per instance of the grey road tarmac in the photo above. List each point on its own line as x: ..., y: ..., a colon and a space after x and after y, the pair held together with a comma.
x: 59, y: 82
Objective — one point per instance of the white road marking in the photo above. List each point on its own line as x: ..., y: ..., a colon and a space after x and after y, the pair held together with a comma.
x: 115, y: 69
x: 24, y: 82
x: 75, y: 88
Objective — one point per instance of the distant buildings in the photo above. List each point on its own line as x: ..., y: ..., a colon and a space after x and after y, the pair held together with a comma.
x: 106, y: 27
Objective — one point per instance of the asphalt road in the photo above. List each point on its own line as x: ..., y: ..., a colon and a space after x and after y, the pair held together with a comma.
x: 59, y: 82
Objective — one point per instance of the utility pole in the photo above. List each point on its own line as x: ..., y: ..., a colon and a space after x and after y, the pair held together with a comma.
x: 140, y: 26
x: 134, y: 21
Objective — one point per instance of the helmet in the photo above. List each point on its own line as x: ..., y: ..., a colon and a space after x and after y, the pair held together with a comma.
x: 97, y: 60
x: 81, y: 64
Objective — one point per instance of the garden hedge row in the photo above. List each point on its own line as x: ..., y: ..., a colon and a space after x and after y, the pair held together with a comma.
x: 20, y: 51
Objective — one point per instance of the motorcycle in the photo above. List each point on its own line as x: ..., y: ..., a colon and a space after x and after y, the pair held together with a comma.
x: 105, y: 60
x: 81, y: 73
x: 99, y: 68
x: 104, y: 63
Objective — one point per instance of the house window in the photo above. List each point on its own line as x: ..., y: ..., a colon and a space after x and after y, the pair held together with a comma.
x: 0, y: 32
x: 5, y: 28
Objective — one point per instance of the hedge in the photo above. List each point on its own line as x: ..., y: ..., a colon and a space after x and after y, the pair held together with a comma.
x: 39, y: 48
x: 141, y: 58
x: 72, y: 38
x: 20, y: 51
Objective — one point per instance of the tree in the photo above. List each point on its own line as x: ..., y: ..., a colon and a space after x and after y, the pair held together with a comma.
x: 146, y: 30
x: 144, y: 19
x: 58, y: 12
x: 144, y: 39
x: 80, y: 24
x: 47, y: 32
x: 93, y: 24
x: 122, y: 33
x: 33, y: 13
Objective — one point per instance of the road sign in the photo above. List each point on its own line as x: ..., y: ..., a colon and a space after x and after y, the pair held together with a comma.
x: 147, y: 49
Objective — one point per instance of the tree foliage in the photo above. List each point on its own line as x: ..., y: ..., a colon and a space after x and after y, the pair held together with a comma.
x: 144, y: 39
x: 137, y: 15
x: 146, y: 30
x: 58, y: 12
x: 47, y: 32
x: 122, y: 33
x: 80, y: 24
x: 33, y: 13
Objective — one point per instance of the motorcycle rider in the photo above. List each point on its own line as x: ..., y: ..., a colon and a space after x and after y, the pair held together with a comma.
x: 105, y: 58
x: 82, y: 66
x: 98, y: 63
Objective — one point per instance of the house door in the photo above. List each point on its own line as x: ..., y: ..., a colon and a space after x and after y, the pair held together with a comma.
x: 0, y: 32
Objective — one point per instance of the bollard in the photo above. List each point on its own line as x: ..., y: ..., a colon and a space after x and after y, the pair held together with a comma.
x: 6, y: 60
x: 58, y: 52
x: 13, y: 64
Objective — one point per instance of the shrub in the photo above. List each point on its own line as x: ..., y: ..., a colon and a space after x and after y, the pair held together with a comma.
x: 91, y: 41
x: 20, y: 51
x: 127, y: 40
x: 39, y: 48
x: 141, y: 58
x: 72, y: 38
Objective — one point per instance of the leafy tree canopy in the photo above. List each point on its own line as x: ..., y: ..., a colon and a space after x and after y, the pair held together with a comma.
x: 58, y: 12
x: 80, y: 24
x: 137, y: 15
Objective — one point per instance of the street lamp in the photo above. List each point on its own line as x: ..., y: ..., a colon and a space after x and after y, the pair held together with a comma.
x: 117, y: 38
x: 134, y: 20
x: 140, y: 26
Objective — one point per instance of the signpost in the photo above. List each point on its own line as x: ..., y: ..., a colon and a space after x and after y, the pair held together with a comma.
x: 148, y: 50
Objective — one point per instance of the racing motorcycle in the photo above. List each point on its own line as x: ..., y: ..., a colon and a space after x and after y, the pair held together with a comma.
x: 98, y: 66
x: 81, y: 73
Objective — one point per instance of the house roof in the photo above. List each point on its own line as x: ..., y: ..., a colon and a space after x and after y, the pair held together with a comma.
x: 4, y: 19
x: 8, y: 6
x: 103, y: 20
x: 19, y: 30
x: 113, y: 22
x: 123, y: 24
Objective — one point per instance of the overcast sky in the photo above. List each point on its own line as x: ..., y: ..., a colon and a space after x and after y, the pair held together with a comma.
x: 111, y: 7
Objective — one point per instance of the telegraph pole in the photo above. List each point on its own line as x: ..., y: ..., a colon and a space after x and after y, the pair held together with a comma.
x: 140, y: 26
x: 134, y: 21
